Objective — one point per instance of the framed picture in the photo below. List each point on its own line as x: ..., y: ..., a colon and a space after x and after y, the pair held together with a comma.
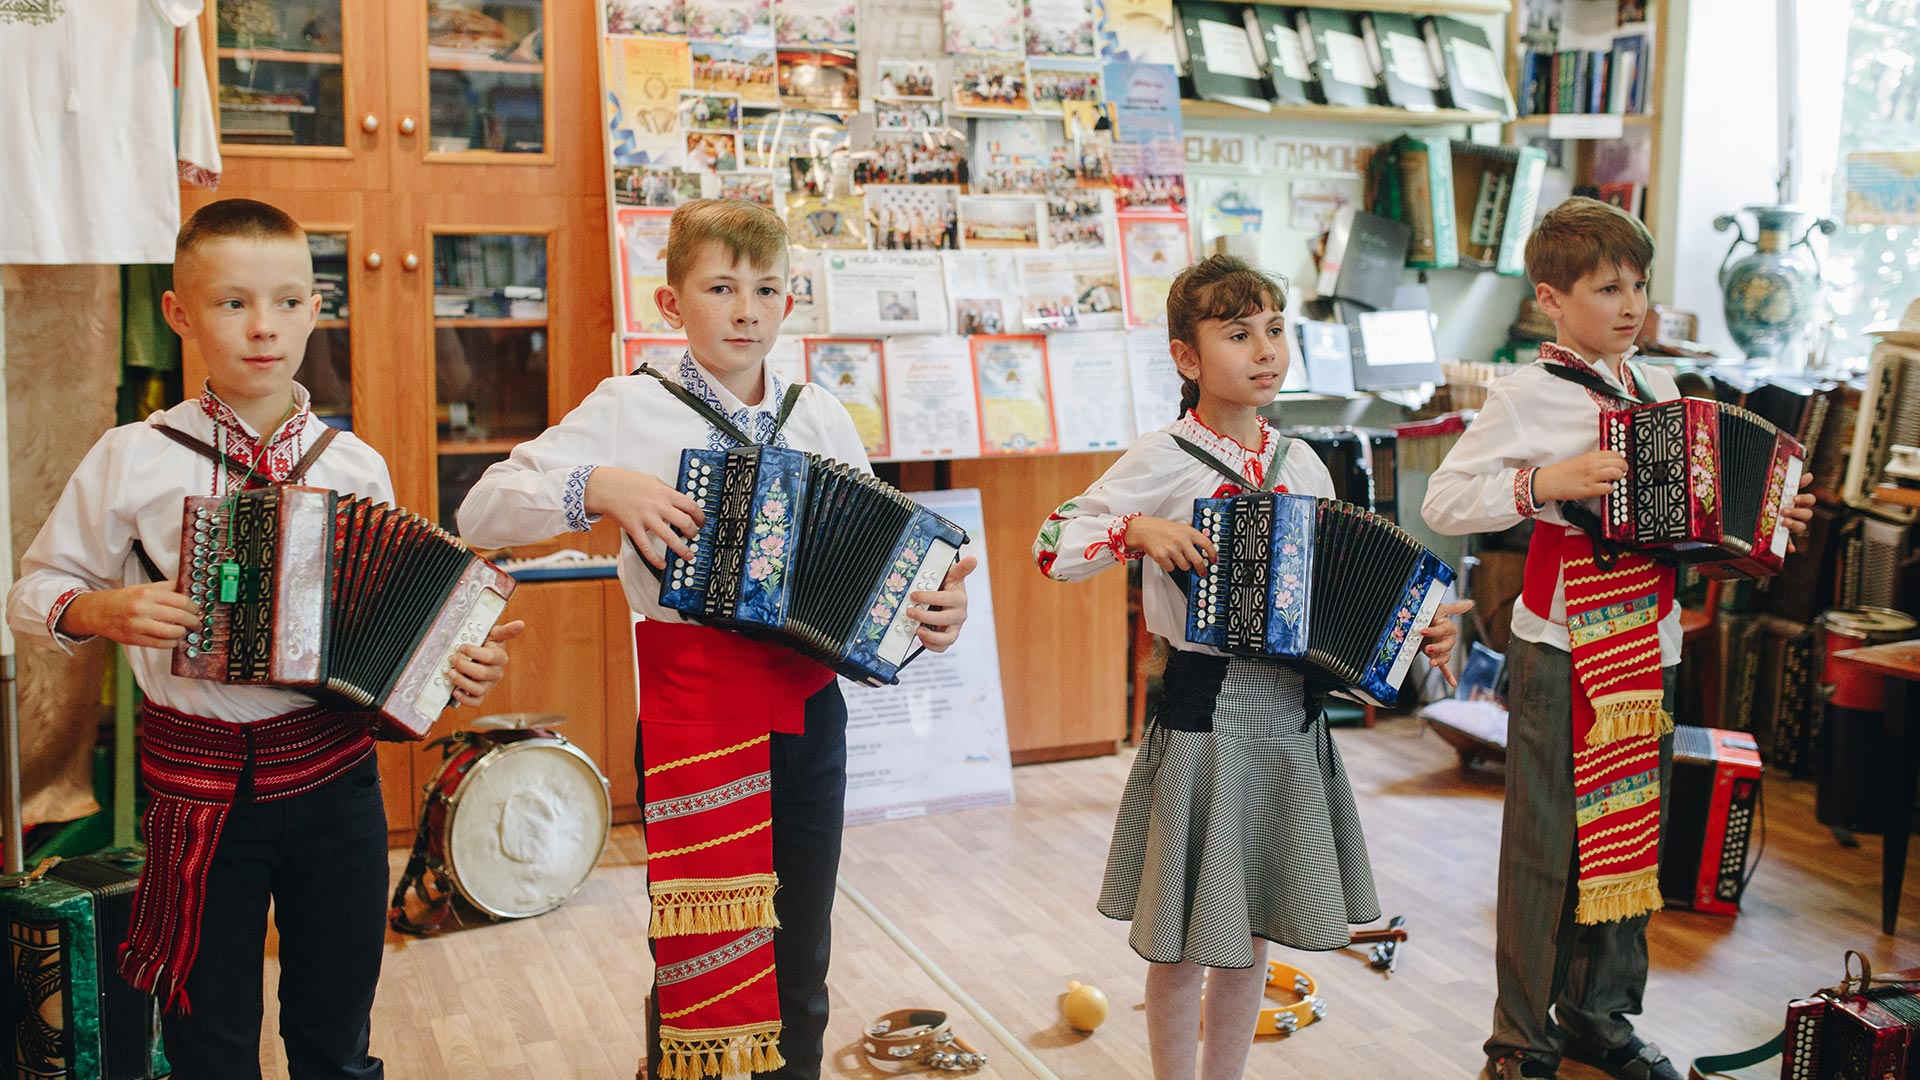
x: 1053, y: 82
x: 819, y: 79
x: 709, y: 111
x: 851, y: 369
x: 712, y: 151
x: 913, y: 217
x: 1015, y: 394
x: 756, y: 187
x: 1153, y: 250
x: 990, y: 84
x: 828, y: 223
x: 746, y: 69
x: 1001, y: 221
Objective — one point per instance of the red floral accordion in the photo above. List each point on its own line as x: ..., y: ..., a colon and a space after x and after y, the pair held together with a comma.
x: 1706, y: 483
x: 1854, y: 1036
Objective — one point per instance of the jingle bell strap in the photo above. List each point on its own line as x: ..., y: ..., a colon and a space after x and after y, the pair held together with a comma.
x: 906, y: 1038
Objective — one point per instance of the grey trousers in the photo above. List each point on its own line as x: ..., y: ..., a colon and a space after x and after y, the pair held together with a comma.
x: 1592, y: 977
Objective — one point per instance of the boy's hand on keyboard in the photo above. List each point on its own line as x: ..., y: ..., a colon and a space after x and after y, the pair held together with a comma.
x: 1175, y: 545
x: 646, y: 506
x: 154, y: 615
x: 476, y: 668
x: 1588, y: 476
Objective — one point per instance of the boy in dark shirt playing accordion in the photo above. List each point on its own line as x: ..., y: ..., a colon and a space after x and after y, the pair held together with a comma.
x: 257, y: 791
x: 1589, y: 743
x: 741, y: 748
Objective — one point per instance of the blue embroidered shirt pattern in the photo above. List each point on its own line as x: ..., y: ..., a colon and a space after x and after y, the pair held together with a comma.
x: 758, y: 423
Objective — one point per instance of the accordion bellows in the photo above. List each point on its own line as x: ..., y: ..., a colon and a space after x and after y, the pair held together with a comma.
x: 1341, y: 591
x: 809, y: 551
x: 356, y: 602
x: 1707, y: 483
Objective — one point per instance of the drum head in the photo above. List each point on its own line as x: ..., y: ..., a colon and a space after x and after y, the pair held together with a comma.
x: 526, y: 827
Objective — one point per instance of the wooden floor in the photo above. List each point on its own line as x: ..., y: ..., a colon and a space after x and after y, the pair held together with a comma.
x: 1002, y: 899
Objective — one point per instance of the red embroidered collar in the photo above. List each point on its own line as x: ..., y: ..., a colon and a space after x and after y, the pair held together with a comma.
x: 1230, y: 450
x: 243, y: 445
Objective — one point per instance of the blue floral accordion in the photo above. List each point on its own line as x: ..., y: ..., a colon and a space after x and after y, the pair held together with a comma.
x: 1342, y: 592
x: 812, y: 552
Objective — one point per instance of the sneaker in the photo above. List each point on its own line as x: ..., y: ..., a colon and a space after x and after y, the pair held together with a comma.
x: 1636, y: 1059
x: 1515, y: 1067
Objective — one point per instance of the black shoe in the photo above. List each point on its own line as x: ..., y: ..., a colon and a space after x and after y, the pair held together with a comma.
x: 1635, y: 1060
x: 1515, y: 1067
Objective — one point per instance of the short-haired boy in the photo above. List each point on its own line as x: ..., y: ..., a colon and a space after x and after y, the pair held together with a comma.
x: 1589, y: 745
x: 257, y: 792
x: 764, y: 728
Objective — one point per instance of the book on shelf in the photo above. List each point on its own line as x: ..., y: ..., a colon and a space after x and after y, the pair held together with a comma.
x: 1472, y: 74
x: 1337, y: 54
x: 1327, y: 352
x: 1413, y: 183
x: 1216, y: 56
x: 1276, y: 43
x: 1400, y: 60
x: 1364, y: 256
x: 1626, y: 195
x: 1614, y: 80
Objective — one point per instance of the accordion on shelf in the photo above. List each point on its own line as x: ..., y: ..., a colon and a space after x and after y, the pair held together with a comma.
x: 1340, y: 590
x: 1845, y: 1035
x: 1706, y: 483
x: 357, y: 602
x: 1889, y: 416
x: 1827, y: 459
x: 810, y: 551
x: 1715, y: 790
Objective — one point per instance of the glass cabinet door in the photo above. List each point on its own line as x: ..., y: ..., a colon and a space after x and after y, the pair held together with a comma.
x: 302, y: 80
x: 490, y: 346
x: 486, y: 85
x: 327, y: 372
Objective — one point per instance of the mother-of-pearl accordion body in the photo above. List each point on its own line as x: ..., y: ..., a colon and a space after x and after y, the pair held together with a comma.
x: 359, y: 603
x: 812, y: 552
x: 1707, y: 483
x: 1855, y: 1036
x: 1336, y: 589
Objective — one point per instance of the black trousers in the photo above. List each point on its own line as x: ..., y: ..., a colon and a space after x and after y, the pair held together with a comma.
x: 322, y: 858
x: 809, y: 808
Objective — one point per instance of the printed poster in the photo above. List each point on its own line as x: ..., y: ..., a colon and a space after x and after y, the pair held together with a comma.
x: 1016, y: 400
x: 1089, y: 376
x: 850, y: 369
x: 659, y: 353
x: 985, y: 26
x: 931, y: 408
x: 731, y: 20
x: 813, y: 22
x: 1153, y: 380
x: 745, y: 68
x: 885, y: 292
x: 1060, y: 28
x: 1153, y: 251
x: 1069, y: 290
x: 806, y: 283
x: 644, y: 78
x: 643, y: 267
x: 646, y: 17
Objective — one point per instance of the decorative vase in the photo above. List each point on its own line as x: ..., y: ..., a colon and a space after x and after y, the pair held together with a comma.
x: 1770, y: 293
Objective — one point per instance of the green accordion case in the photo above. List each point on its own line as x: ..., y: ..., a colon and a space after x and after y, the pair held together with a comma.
x: 68, y: 1013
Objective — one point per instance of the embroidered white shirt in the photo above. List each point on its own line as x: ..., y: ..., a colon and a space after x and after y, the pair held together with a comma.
x: 1531, y: 418
x: 633, y: 422
x: 1157, y: 478
x: 132, y: 486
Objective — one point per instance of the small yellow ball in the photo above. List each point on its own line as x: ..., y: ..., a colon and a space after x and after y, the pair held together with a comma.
x: 1083, y: 1006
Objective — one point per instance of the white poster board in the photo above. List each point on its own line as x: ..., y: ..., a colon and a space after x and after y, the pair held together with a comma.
x: 937, y: 741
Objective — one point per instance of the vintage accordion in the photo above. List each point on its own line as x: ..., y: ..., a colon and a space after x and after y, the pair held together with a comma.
x: 1847, y: 1035
x: 810, y: 551
x: 1715, y: 790
x: 68, y: 1012
x: 359, y: 603
x: 1707, y: 483
x: 1341, y: 591
x: 1889, y: 417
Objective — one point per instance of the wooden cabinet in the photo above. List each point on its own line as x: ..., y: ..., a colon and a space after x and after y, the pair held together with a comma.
x: 447, y: 169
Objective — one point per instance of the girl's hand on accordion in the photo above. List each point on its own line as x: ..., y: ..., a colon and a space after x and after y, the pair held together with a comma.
x: 478, y: 667
x: 646, y: 506
x: 1800, y: 514
x: 1443, y: 634
x: 1588, y: 476
x: 1175, y: 545
x: 941, y: 613
x: 155, y: 615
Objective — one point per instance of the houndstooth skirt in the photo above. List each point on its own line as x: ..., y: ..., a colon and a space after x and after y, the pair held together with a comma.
x: 1248, y: 829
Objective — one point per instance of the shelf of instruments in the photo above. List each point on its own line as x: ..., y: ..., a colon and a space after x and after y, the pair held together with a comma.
x: 1337, y: 114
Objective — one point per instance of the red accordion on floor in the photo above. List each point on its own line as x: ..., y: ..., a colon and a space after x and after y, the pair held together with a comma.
x: 1706, y: 483
x: 1715, y: 790
x: 1855, y: 1036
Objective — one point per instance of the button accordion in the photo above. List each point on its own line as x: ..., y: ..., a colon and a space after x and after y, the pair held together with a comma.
x: 356, y: 602
x: 1715, y: 791
x: 1848, y: 1035
x: 812, y: 552
x: 1338, y: 590
x: 1706, y: 483
x: 1889, y: 417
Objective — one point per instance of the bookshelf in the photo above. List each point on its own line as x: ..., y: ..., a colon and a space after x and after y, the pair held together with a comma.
x: 1584, y: 158
x: 1336, y: 114
x: 1411, y: 7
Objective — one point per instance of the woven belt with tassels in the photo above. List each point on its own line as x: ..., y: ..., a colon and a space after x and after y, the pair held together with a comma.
x: 918, y: 1037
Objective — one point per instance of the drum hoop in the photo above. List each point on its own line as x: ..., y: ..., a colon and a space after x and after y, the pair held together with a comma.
x: 453, y: 804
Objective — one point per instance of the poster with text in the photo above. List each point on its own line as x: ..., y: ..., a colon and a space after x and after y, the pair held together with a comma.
x: 657, y: 352
x: 1090, y: 398
x: 1016, y: 400
x: 931, y: 408
x: 885, y: 292
x: 643, y: 267
x: 850, y: 369
x: 1153, y: 251
x: 644, y: 78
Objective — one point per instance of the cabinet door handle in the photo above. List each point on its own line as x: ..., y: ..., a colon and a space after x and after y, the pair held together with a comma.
x: 369, y: 123
x: 407, y: 125
x: 410, y: 262
x: 374, y: 260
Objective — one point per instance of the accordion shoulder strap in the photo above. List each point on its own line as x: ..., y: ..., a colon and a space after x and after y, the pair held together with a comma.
x: 205, y: 450
x: 1233, y: 475
x: 1642, y: 393
x: 1714, y: 1064
x: 720, y: 421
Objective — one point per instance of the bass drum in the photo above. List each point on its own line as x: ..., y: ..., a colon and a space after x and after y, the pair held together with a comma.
x: 517, y: 819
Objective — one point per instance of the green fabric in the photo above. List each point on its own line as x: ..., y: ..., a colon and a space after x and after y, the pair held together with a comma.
x: 149, y: 351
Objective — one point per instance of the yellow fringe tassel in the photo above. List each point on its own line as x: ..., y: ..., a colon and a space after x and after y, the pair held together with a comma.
x: 1620, y: 896
x: 713, y: 905
x: 1628, y: 716
x: 695, y: 1055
